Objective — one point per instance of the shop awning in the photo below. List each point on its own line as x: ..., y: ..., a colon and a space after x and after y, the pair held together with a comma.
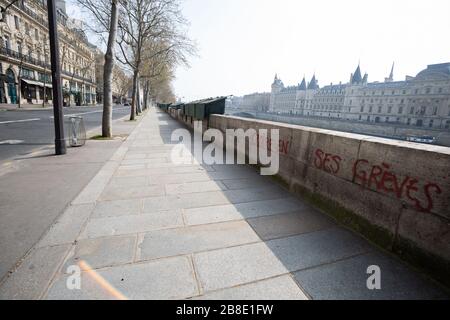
x: 37, y: 83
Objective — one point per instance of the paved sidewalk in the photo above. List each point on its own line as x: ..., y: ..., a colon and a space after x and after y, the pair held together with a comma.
x: 150, y: 229
x: 35, y: 189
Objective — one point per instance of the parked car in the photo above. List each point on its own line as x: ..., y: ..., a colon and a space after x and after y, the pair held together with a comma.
x: 421, y: 139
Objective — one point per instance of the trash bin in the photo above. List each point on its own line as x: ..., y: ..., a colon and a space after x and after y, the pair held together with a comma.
x: 77, y: 132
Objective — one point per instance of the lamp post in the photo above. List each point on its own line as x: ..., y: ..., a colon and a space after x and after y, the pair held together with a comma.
x: 60, y: 142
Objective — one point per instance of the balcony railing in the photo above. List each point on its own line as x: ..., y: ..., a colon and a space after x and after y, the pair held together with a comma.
x: 33, y: 61
x: 72, y: 75
x: 23, y: 8
x: 24, y: 57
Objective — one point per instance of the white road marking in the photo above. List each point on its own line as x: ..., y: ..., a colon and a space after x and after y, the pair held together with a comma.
x: 11, y: 142
x: 19, y: 121
x: 97, y: 111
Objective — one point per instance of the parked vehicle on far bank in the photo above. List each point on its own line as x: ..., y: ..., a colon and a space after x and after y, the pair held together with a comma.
x: 421, y: 139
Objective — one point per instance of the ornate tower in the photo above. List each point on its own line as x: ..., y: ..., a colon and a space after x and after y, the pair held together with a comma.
x: 277, y: 86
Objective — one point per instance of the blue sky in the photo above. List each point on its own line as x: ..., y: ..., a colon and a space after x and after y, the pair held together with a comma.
x: 243, y: 43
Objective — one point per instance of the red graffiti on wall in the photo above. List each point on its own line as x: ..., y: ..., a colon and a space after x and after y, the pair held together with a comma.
x: 283, y: 144
x: 382, y: 178
x: 327, y: 162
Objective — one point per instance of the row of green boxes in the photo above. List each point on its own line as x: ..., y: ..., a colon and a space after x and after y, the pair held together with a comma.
x: 164, y: 106
x: 201, y: 109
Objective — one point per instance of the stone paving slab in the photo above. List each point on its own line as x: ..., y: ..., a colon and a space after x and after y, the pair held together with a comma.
x: 289, y: 224
x: 173, y: 242
x: 230, y: 267
x: 103, y: 227
x: 163, y: 279
x: 347, y: 280
x: 213, y: 214
x: 194, y: 187
x: 103, y: 252
x: 126, y: 192
x: 278, y: 288
x: 110, y: 209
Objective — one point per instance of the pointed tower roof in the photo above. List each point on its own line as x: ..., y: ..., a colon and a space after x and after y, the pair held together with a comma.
x: 357, y: 78
x: 313, y: 84
x: 303, y: 84
x: 391, y: 76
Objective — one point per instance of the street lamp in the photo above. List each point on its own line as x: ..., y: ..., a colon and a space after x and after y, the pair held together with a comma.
x: 60, y: 142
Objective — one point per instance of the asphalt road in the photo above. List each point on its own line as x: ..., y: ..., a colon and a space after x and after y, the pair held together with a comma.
x: 22, y: 132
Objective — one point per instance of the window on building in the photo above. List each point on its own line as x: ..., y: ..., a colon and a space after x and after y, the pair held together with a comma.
x: 408, y: 122
x: 379, y: 109
x: 19, y: 47
x: 27, y: 73
x: 362, y: 109
x: 430, y: 124
x: 387, y: 119
x: 411, y: 111
x: 7, y: 43
x: 36, y: 34
x: 17, y: 22
x: 389, y: 109
x: 435, y: 110
x: 400, y: 110
x: 428, y: 90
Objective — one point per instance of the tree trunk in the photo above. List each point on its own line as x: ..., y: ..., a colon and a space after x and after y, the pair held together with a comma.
x: 139, y: 101
x: 133, y: 97
x: 108, y: 73
x: 146, y: 94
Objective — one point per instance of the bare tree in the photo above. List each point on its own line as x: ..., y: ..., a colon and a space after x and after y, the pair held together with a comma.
x: 143, y: 24
x: 106, y: 15
x: 122, y: 82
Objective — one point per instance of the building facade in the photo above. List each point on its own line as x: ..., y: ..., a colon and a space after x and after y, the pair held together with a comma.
x: 25, y: 69
x: 255, y: 102
x: 421, y: 101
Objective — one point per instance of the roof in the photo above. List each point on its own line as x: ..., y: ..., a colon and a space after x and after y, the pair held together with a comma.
x: 303, y: 84
x: 435, y: 72
x: 208, y: 100
x: 313, y: 84
x: 357, y: 78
